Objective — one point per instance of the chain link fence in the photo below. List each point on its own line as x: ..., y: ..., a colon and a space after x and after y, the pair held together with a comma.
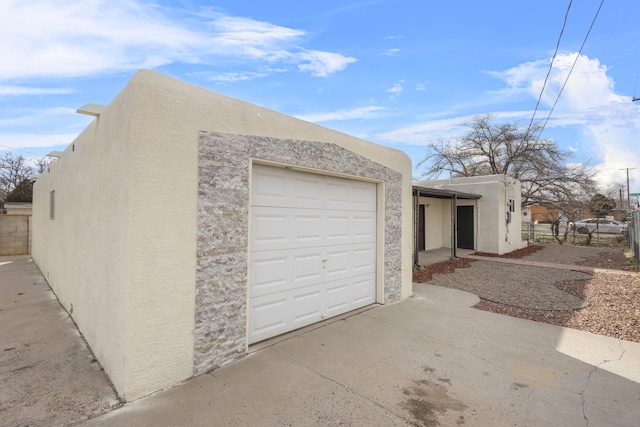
x: 544, y: 233
x: 634, y: 234
x: 541, y: 233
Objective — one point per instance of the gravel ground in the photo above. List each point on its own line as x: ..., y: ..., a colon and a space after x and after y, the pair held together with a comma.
x: 522, y: 286
x: 606, y: 304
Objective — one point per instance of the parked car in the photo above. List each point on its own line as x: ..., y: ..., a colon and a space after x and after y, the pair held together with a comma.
x: 605, y: 226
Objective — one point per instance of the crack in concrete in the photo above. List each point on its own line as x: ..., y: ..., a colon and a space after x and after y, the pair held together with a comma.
x: 595, y: 368
x: 586, y: 386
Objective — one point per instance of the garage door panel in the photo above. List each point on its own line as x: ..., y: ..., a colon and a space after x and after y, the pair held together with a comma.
x: 338, y: 194
x: 363, y: 196
x: 265, y: 317
x: 269, y: 275
x: 284, y: 228
x: 338, y: 262
x: 352, y: 227
x: 306, y: 306
x: 338, y: 228
x: 307, y: 268
x: 307, y: 192
x: 278, y: 271
x: 363, y: 259
x: 338, y: 298
x: 313, y: 248
x: 307, y: 229
x: 364, y: 228
x: 363, y: 290
x: 269, y: 186
x: 282, y: 271
x: 271, y: 228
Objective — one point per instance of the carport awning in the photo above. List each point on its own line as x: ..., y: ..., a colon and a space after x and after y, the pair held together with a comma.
x: 443, y: 194
x: 439, y: 194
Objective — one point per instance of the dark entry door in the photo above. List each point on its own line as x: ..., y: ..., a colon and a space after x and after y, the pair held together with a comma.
x: 421, y: 223
x: 465, y: 227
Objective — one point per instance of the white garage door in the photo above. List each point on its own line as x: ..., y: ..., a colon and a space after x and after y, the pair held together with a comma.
x: 313, y: 249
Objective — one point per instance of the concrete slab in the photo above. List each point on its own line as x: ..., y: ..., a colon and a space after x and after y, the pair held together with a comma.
x: 435, y: 256
x: 48, y: 374
x: 429, y: 360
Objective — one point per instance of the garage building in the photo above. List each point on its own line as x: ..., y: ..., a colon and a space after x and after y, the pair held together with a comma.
x: 182, y: 226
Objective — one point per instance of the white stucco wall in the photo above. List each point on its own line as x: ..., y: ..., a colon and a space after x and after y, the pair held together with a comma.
x: 84, y: 252
x: 122, y: 246
x: 436, y: 212
x: 493, y: 234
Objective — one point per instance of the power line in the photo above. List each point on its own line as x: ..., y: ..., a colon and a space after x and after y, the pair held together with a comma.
x: 571, y: 70
x: 544, y: 84
x: 635, y: 88
x: 23, y: 151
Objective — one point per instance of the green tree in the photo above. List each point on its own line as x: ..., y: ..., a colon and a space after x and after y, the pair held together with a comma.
x: 601, y: 205
x: 22, y: 193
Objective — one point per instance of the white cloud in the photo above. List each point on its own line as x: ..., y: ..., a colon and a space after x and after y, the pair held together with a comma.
x: 397, y: 87
x: 391, y: 52
x: 321, y: 64
x: 231, y: 77
x: 31, y: 140
x: 67, y: 38
x: 433, y: 130
x: 587, y: 88
x: 35, y: 117
x: 420, y: 87
x: 26, y: 90
x: 609, y: 122
x: 426, y: 132
x: 356, y: 113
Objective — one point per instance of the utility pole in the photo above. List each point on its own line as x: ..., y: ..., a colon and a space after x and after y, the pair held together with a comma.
x: 628, y: 192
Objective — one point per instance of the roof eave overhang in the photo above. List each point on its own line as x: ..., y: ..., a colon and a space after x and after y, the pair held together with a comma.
x: 443, y: 194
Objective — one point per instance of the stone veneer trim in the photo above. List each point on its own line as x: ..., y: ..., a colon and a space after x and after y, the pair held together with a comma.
x: 224, y: 162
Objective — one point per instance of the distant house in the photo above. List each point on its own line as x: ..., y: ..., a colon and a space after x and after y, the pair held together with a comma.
x: 478, y: 213
x: 182, y: 226
x: 541, y: 214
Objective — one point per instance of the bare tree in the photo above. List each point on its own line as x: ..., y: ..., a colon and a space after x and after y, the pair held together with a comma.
x: 503, y: 148
x: 16, y: 169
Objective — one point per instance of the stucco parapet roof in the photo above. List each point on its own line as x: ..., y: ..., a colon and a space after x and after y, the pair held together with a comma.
x: 442, y: 194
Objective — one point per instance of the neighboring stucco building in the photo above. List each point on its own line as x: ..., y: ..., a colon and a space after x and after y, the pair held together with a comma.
x: 484, y: 211
x: 182, y: 225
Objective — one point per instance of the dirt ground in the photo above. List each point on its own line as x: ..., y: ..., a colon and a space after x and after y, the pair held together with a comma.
x: 613, y: 300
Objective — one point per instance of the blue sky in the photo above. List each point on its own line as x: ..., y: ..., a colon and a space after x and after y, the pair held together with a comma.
x: 401, y: 73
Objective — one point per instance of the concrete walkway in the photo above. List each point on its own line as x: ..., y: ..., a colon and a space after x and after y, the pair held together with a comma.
x: 580, y: 268
x: 427, y: 361
x: 48, y: 376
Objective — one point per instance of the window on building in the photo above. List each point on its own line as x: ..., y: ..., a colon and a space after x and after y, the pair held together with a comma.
x: 52, y: 205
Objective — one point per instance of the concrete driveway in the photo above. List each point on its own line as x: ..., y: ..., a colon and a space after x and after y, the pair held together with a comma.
x: 427, y: 361
x: 430, y: 360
